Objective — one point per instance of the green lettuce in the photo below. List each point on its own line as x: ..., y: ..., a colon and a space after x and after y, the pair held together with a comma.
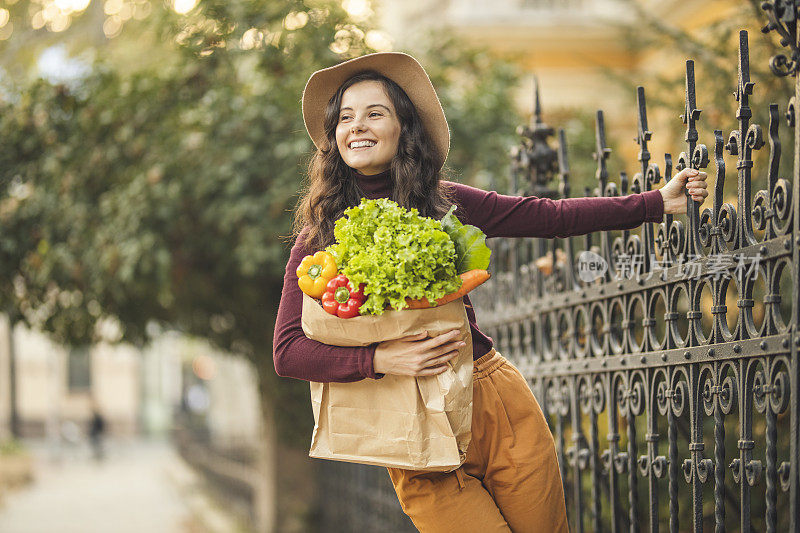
x: 396, y: 253
x: 471, y: 250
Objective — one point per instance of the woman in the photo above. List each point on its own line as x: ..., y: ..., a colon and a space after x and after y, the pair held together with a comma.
x: 380, y: 131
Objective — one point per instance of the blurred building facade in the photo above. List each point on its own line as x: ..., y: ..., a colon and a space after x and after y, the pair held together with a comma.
x: 573, y: 47
x: 57, y: 388
x: 565, y: 43
x: 138, y: 392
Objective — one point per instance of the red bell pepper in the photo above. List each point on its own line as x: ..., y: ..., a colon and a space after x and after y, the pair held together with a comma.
x: 341, y: 299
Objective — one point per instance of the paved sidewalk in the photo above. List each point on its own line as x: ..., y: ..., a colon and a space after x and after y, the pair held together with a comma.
x: 140, y: 487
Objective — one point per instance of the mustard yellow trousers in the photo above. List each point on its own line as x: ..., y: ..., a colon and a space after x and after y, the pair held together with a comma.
x: 510, y: 480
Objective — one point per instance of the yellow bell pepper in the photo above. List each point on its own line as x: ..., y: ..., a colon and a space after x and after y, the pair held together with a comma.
x: 314, y: 273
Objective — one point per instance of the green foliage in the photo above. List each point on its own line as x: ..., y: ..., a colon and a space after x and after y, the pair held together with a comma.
x: 476, y: 89
x: 158, y: 195
x: 155, y: 194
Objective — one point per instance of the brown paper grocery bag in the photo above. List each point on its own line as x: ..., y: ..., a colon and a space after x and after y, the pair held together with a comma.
x: 405, y: 422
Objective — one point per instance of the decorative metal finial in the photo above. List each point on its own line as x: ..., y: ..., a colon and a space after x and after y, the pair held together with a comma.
x: 649, y: 173
x: 537, y: 159
x: 782, y: 16
x: 644, y: 134
x: 601, y: 152
x: 696, y: 156
x: 742, y: 142
x: 536, y: 118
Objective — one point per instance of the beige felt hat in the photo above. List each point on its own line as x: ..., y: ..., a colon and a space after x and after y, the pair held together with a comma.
x: 401, y: 68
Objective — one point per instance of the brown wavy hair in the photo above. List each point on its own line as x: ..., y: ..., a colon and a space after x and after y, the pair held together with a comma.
x: 331, y: 186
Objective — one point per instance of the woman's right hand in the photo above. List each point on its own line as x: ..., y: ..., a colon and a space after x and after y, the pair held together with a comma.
x: 417, y: 355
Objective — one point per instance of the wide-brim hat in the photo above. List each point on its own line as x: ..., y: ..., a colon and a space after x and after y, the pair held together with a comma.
x: 402, y: 69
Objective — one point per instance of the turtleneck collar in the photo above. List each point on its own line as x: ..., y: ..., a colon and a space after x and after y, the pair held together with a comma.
x: 375, y: 186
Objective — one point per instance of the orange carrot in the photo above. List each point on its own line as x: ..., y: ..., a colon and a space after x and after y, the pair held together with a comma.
x: 417, y: 303
x: 469, y: 280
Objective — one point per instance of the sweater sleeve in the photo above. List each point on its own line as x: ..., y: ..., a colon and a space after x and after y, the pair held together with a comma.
x: 499, y: 215
x: 297, y: 356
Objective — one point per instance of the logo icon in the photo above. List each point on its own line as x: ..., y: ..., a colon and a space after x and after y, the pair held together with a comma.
x: 591, y: 266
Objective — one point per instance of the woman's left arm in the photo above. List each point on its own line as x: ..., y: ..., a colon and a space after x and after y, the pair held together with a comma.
x: 499, y: 215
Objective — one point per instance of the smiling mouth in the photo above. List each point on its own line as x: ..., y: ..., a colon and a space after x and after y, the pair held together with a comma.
x: 361, y: 145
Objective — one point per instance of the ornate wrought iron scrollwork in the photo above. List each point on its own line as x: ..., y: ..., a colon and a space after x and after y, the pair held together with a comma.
x: 783, y: 20
x: 678, y: 369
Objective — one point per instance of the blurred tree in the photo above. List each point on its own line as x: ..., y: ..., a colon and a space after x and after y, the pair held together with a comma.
x: 154, y: 190
x: 713, y: 43
x: 475, y: 88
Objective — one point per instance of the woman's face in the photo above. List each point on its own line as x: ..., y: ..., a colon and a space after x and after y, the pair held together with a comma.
x: 368, y: 129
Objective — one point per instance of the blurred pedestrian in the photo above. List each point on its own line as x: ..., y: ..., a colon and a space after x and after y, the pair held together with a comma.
x: 97, y: 429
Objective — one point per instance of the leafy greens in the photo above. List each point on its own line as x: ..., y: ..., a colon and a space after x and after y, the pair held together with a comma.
x: 471, y: 250
x: 399, y: 254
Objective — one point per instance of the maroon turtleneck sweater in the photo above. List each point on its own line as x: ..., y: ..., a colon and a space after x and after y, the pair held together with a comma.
x: 297, y: 356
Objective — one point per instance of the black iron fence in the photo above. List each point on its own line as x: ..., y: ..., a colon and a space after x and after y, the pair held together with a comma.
x: 230, y: 472
x: 356, y: 498
x: 665, y: 358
